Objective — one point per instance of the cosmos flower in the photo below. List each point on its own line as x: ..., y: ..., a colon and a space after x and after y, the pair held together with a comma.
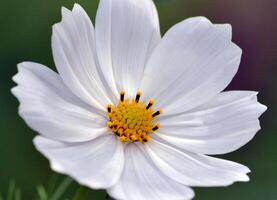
x: 135, y: 113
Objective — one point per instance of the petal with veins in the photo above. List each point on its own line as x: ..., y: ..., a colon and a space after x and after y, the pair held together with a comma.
x: 73, y: 45
x: 50, y: 108
x: 97, y: 163
x: 228, y: 122
x: 127, y: 31
x: 194, y: 169
x: 142, y: 180
x: 193, y: 63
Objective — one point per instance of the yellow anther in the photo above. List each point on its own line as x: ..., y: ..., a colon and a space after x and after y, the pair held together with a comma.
x: 132, y: 120
x: 134, y: 137
x: 110, y: 124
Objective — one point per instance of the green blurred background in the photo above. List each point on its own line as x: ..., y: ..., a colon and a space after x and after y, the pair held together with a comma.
x: 25, y: 36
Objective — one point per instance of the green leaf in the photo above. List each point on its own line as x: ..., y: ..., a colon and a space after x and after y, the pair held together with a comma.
x: 61, y: 189
x: 80, y: 194
x: 52, y: 185
x: 17, y: 194
x: 1, y: 197
x: 11, y: 190
x: 42, y: 194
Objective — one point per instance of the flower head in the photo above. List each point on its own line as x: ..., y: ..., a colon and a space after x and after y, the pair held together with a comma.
x: 136, y: 113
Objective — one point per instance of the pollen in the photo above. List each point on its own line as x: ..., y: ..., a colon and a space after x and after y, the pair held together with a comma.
x: 133, y: 120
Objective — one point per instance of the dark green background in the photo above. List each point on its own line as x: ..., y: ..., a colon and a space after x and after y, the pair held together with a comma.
x: 25, y: 36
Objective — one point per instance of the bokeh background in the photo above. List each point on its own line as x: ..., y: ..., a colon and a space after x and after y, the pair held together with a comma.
x: 25, y: 36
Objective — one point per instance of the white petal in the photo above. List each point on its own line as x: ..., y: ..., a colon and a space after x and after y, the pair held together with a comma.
x: 126, y: 33
x: 75, y: 56
x: 96, y: 164
x: 227, y: 122
x: 194, y: 169
x: 193, y: 63
x: 51, y: 109
x: 142, y: 180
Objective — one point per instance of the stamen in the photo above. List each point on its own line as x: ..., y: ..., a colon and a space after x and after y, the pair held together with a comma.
x: 150, y: 104
x: 109, y: 108
x: 122, y: 94
x: 157, y: 113
x: 131, y: 120
x: 157, y: 127
x: 145, y: 140
x: 138, y: 96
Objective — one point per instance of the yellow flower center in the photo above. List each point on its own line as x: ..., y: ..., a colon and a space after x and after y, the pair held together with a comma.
x: 133, y: 120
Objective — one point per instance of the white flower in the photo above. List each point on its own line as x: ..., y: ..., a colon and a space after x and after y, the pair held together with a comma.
x: 97, y: 118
